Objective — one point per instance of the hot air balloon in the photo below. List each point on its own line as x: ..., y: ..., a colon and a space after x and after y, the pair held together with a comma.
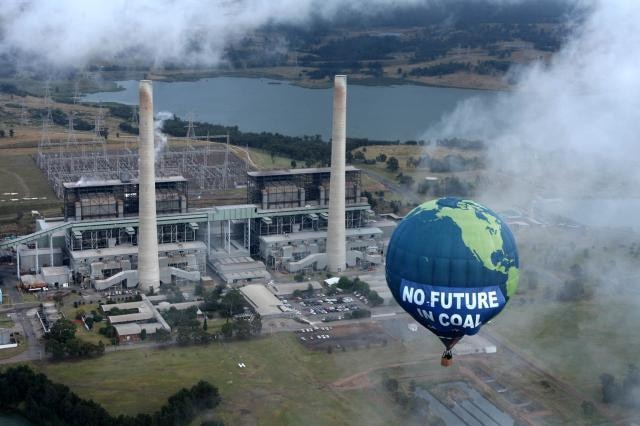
x: 452, y: 264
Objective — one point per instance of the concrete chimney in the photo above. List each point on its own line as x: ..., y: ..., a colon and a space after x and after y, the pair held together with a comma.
x: 336, y: 240
x: 148, y: 267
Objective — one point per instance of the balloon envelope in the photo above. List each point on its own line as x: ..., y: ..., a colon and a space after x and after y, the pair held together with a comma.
x: 452, y: 264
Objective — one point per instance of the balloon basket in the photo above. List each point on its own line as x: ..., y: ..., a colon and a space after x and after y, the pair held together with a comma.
x: 447, y: 358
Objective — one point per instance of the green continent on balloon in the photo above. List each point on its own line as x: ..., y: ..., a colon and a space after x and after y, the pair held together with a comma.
x: 513, y: 275
x: 481, y: 235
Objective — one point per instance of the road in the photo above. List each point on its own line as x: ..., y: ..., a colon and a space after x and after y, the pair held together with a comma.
x: 235, y: 150
x: 26, y: 325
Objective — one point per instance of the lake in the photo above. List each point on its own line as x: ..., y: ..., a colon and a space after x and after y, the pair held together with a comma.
x: 7, y: 419
x: 258, y: 104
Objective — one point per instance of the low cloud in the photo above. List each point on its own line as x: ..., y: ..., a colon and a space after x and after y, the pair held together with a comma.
x: 570, y: 126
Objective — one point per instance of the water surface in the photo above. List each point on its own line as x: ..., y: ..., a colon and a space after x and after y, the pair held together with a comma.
x: 401, y: 112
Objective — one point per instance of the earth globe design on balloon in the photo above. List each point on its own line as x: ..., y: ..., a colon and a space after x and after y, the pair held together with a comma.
x: 452, y: 264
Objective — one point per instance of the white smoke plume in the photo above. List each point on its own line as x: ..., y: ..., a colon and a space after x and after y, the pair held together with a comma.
x: 160, y: 138
x: 71, y: 32
x: 570, y: 127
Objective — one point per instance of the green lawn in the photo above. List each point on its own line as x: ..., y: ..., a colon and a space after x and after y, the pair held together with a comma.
x: 92, y: 335
x: 283, y: 383
x: 20, y: 174
x: 264, y: 160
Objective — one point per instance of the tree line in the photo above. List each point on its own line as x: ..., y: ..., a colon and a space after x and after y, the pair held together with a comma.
x: 312, y: 150
x: 61, y: 342
x: 489, y: 67
x: 44, y: 402
x: 362, y: 287
x: 625, y: 393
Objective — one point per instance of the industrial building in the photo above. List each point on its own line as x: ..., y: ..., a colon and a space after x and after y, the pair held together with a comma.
x: 263, y: 302
x: 145, y: 316
x: 139, y: 228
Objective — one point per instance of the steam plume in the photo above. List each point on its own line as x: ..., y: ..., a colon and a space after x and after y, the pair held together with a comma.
x: 570, y: 126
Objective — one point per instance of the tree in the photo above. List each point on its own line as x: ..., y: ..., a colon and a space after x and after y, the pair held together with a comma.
x: 588, y: 408
x: 309, y: 290
x: 227, y: 330
x: 392, y: 164
x: 345, y: 283
x: 610, y: 389
x: 390, y: 384
x: 199, y: 290
x: 23, y: 389
x: 59, y: 298
x: 205, y: 326
x: 256, y: 325
x: 232, y: 303
x: 243, y: 329
x: 55, y: 348
x: 294, y: 164
x: 162, y: 335
x: 184, y: 336
x: 62, y: 331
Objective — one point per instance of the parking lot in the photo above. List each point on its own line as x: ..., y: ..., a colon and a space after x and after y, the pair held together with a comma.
x: 343, y: 337
x: 321, y: 307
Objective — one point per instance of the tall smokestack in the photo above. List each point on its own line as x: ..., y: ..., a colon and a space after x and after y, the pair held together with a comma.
x: 336, y: 240
x: 148, y: 268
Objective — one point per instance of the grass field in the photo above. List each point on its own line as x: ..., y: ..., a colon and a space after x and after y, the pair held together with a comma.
x: 264, y: 160
x: 5, y: 322
x: 282, y: 384
x: 20, y: 175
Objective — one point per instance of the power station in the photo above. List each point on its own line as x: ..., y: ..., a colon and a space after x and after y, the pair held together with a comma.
x: 137, y: 229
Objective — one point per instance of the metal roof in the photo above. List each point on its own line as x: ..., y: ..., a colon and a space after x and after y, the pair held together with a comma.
x: 134, y: 328
x: 48, y: 271
x: 127, y: 329
x: 125, y: 250
x: 114, y: 182
x: 262, y: 300
x: 309, y: 235
x: 311, y: 170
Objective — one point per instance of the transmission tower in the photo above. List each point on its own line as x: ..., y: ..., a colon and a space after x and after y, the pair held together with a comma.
x: 45, y: 140
x: 24, y: 118
x: 191, y: 128
x: 99, y: 122
x: 134, y: 116
x: 76, y: 92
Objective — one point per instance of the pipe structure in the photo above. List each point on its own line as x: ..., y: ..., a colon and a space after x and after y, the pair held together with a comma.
x: 148, y: 266
x: 336, y: 239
